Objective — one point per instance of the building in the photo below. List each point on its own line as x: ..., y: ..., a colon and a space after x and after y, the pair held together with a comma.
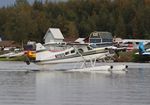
x: 54, y: 39
x: 7, y: 45
x: 53, y: 35
x: 100, y: 37
x: 80, y: 40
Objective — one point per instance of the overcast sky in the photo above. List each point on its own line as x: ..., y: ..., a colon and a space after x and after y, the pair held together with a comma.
x: 11, y: 2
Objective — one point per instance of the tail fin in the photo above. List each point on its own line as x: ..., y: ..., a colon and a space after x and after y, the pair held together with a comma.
x: 141, y: 48
x: 40, y: 47
x: 41, y: 52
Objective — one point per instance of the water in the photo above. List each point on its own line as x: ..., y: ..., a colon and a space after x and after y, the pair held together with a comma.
x: 19, y: 87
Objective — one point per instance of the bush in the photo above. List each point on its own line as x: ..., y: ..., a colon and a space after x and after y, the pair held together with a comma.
x: 138, y: 58
x: 125, y: 56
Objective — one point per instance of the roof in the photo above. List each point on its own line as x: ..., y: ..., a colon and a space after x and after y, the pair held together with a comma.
x: 117, y: 40
x: 9, y: 44
x: 80, y: 40
x: 68, y: 39
x: 100, y: 34
x: 55, y: 32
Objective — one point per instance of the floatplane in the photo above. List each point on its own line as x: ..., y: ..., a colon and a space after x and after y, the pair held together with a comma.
x: 79, y: 60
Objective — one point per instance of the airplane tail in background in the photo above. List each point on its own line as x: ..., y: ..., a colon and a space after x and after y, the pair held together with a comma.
x: 141, y: 48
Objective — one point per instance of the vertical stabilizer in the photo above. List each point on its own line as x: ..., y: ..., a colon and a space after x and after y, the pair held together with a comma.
x: 40, y: 47
x: 141, y: 48
x: 42, y: 53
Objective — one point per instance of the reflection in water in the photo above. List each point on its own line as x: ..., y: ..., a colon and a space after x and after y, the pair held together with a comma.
x: 58, y: 88
x: 17, y: 88
x: 61, y: 88
x: 141, y: 73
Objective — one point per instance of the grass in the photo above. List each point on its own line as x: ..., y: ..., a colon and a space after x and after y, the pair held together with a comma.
x: 20, y: 58
x: 138, y: 58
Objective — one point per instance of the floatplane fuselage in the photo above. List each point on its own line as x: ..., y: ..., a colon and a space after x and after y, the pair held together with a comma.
x: 70, y: 55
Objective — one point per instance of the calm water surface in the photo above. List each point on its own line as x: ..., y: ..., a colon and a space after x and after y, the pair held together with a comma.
x: 18, y: 87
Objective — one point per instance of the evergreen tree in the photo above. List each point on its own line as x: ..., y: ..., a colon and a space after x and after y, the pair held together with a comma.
x: 75, y: 18
x: 120, y: 27
x: 72, y: 30
x: 22, y: 2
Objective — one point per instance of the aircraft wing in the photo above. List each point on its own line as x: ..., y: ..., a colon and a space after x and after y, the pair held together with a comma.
x: 78, y: 44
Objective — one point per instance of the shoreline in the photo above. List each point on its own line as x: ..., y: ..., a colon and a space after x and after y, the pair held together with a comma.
x: 129, y: 64
x: 20, y: 58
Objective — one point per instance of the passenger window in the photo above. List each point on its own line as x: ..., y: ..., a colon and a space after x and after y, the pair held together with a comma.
x: 72, y: 51
x: 89, y: 48
x: 66, y: 53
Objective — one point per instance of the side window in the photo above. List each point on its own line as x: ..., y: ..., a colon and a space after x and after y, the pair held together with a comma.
x: 80, y: 51
x: 66, y: 53
x: 72, y: 51
x: 60, y: 55
x: 89, y: 48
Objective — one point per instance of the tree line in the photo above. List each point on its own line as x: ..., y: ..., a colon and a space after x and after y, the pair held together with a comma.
x: 75, y: 18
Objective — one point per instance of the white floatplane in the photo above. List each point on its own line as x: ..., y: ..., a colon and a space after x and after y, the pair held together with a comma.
x: 86, y: 59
